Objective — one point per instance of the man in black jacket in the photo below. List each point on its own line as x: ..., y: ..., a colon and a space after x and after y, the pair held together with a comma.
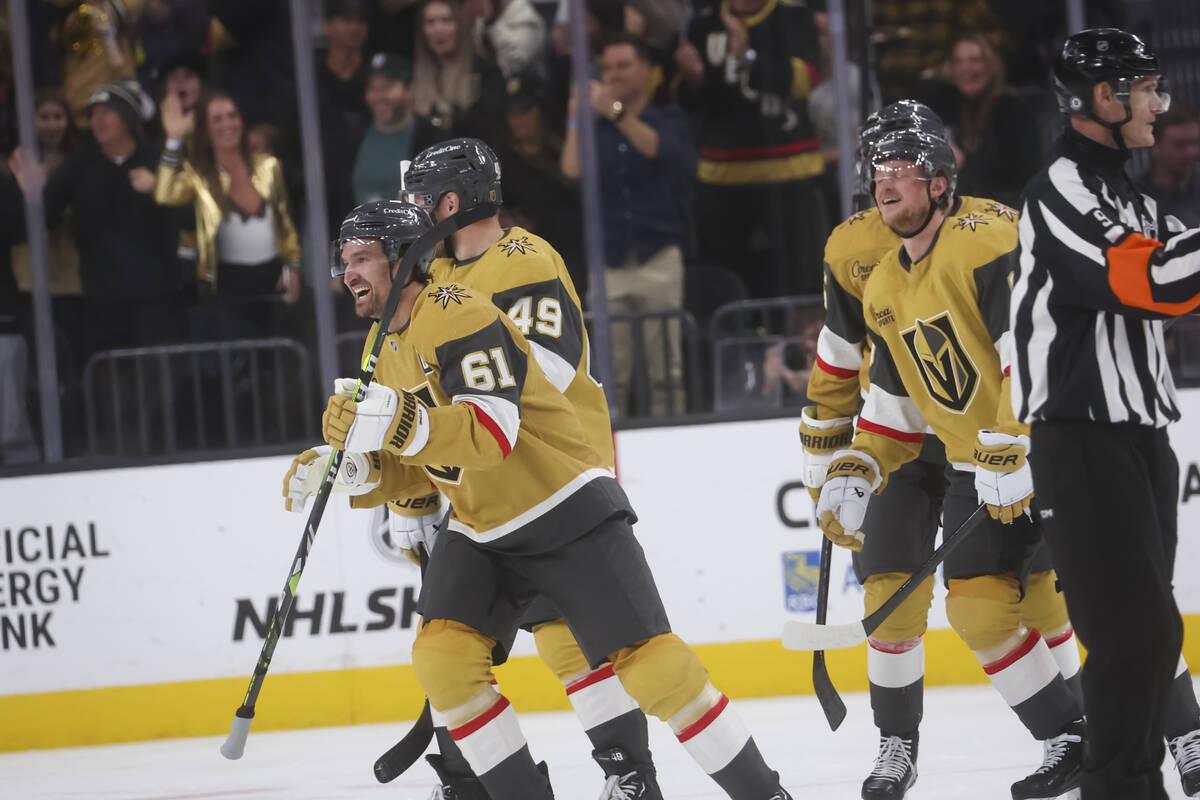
x: 126, y: 241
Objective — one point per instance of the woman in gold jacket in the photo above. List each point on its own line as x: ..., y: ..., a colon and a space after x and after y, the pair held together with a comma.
x: 246, y: 244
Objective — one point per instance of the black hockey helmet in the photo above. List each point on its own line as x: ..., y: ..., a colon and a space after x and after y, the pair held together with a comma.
x: 902, y: 115
x: 393, y: 223
x: 467, y: 167
x: 1100, y: 55
x: 930, y: 151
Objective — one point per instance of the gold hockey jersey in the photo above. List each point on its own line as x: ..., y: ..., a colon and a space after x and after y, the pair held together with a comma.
x: 527, y: 279
x: 939, y: 334
x: 852, y: 251
x: 505, y: 445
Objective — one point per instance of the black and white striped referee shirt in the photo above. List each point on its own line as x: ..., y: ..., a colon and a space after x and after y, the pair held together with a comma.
x: 1094, y: 283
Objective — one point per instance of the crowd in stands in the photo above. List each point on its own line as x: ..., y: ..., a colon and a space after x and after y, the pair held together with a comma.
x: 169, y: 156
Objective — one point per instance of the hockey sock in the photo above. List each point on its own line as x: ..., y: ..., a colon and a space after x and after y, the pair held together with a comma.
x: 896, y: 671
x: 1183, y: 714
x: 714, y: 735
x: 608, y: 714
x: 1066, y: 654
x: 492, y: 743
x: 1028, y: 678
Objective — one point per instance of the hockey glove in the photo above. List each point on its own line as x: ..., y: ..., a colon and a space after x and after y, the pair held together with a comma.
x: 383, y: 418
x: 408, y: 532
x: 1003, y: 479
x: 820, y: 438
x: 358, y: 474
x: 852, y: 477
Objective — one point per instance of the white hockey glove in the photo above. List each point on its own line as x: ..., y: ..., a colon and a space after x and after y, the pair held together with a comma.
x: 1003, y: 479
x: 356, y: 475
x: 396, y: 537
x: 820, y: 438
x: 851, y: 479
x: 384, y: 417
x: 409, y: 532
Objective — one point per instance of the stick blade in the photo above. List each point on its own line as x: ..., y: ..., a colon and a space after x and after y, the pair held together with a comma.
x: 404, y: 753
x: 235, y: 742
x: 827, y: 694
x: 799, y: 635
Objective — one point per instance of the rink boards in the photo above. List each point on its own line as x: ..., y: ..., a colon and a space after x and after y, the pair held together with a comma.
x: 133, y: 603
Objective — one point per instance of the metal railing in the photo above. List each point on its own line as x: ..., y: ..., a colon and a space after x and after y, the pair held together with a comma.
x: 150, y: 401
x: 216, y: 399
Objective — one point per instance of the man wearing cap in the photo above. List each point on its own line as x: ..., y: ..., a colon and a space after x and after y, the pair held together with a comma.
x: 395, y: 133
x: 125, y: 239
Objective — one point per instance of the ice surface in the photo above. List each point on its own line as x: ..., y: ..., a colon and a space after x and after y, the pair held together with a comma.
x: 971, y: 747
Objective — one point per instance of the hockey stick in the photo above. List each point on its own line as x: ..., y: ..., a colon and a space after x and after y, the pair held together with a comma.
x: 404, y: 753
x: 827, y: 694
x: 809, y: 636
x: 235, y: 742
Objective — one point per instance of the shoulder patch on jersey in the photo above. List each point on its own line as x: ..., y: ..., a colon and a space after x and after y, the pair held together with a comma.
x: 860, y: 271
x: 885, y: 316
x: 447, y: 293
x: 857, y: 217
x: 517, y: 244
x: 1001, y: 210
x: 970, y: 221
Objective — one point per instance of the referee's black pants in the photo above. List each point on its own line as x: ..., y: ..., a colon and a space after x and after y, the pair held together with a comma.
x: 1107, y: 496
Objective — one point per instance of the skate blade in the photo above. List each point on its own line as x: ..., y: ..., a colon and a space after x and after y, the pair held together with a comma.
x: 1071, y: 794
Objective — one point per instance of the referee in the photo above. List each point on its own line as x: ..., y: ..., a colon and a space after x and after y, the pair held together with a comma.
x: 1100, y: 268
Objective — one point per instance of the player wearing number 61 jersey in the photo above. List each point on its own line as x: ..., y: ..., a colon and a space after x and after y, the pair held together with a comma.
x: 535, y: 511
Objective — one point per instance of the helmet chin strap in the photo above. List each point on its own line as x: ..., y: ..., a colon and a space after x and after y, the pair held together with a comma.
x: 1114, y: 127
x: 928, y: 216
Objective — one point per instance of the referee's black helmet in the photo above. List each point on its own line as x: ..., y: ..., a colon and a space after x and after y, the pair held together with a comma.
x: 1101, y: 55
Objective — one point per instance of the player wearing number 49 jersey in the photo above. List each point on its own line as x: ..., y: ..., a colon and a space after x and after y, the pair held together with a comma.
x: 525, y: 277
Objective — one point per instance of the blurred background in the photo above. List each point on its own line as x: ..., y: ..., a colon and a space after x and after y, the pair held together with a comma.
x: 171, y: 172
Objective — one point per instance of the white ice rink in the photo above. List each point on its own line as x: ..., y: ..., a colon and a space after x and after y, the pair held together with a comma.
x: 971, y: 747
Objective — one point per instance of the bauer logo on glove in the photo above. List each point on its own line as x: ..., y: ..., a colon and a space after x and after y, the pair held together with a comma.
x: 1003, y: 480
x: 853, y: 476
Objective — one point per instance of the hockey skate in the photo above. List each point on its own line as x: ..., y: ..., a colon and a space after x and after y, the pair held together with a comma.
x: 895, y: 769
x: 463, y: 787
x: 1060, y: 772
x: 454, y: 787
x: 626, y: 780
x: 1185, y: 750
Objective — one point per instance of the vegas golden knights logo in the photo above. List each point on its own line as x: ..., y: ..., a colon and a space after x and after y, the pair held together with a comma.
x: 943, y: 362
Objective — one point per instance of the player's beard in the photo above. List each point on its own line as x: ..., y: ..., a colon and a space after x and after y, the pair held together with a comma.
x: 909, y: 223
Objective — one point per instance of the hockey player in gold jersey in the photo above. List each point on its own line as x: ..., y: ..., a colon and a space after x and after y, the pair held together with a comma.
x: 902, y: 522
x: 534, y: 509
x: 525, y: 277
x: 936, y: 315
